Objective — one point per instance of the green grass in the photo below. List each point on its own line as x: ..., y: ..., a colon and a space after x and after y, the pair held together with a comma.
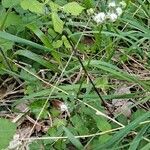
x: 66, y: 70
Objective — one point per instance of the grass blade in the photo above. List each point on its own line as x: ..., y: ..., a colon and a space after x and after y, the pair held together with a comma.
x: 36, y: 58
x: 72, y: 139
x: 138, y: 138
x: 122, y: 133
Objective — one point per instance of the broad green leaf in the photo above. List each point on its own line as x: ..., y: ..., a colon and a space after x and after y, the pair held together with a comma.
x: 79, y: 124
x: 35, y: 57
x: 7, y: 130
x: 5, y: 44
x: 57, y: 44
x: 57, y: 23
x: 36, y: 108
x: 104, y: 138
x: 102, y: 123
x: 73, y: 8
x: 33, y: 5
x: 123, y: 132
x: 54, y: 7
x: 9, y: 19
x: 72, y: 139
x: 10, y: 3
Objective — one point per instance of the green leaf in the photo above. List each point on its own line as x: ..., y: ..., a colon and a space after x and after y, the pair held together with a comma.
x: 66, y: 42
x: 102, y: 123
x: 73, y: 8
x: 33, y: 6
x: 146, y: 147
x: 115, y: 71
x: 33, y: 27
x: 27, y: 76
x: 79, y: 124
x: 57, y: 44
x: 35, y: 57
x: 36, y: 108
x: 5, y: 44
x: 57, y: 23
x: 17, y: 39
x: 72, y: 139
x: 88, y: 3
x: 122, y: 133
x: 10, y: 3
x: 54, y: 7
x: 138, y: 138
x: 9, y: 19
x: 7, y: 130
x: 104, y: 138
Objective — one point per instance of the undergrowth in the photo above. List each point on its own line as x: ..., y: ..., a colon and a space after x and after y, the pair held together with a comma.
x: 74, y: 74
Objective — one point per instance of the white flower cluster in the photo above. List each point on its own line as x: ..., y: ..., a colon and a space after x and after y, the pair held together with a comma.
x: 115, y: 10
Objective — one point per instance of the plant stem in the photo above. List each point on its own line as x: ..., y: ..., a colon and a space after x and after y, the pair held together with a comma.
x: 86, y: 72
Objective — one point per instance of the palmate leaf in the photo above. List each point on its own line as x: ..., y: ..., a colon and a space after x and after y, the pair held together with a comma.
x: 7, y: 130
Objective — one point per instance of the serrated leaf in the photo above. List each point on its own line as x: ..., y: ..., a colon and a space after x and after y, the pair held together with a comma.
x: 58, y: 24
x: 7, y: 130
x: 33, y: 6
x: 10, y: 3
x: 73, y: 8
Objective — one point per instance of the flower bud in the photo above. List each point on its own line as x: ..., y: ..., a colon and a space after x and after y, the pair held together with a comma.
x: 90, y: 11
x: 123, y: 4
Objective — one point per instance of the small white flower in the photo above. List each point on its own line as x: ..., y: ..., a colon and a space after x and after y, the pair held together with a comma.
x: 123, y: 4
x: 100, y: 17
x: 112, y: 17
x: 112, y: 4
x: 119, y: 11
